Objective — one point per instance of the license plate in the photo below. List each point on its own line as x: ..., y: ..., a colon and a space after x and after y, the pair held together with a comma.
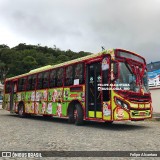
x: 142, y: 113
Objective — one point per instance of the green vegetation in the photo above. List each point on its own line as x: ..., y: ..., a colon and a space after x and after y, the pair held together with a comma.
x: 23, y: 58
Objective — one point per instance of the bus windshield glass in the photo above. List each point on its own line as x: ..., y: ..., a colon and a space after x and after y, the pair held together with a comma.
x: 127, y: 79
x: 130, y: 56
x: 145, y: 84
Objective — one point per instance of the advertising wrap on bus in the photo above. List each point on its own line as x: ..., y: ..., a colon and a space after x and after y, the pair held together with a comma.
x: 108, y: 86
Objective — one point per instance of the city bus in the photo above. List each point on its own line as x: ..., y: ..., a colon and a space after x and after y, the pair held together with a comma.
x: 108, y: 86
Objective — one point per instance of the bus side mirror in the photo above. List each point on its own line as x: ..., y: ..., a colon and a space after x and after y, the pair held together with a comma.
x: 115, y: 69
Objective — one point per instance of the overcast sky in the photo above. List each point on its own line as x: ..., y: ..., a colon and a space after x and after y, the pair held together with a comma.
x: 83, y: 25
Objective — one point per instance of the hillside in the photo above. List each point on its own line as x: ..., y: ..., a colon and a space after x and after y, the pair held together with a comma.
x: 23, y: 58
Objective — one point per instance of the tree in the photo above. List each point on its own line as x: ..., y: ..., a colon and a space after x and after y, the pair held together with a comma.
x: 23, y: 58
x: 62, y: 58
x: 29, y: 63
x: 4, y: 46
x: 3, y: 71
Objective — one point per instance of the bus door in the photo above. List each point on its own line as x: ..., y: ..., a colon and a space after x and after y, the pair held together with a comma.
x: 93, y: 94
x: 13, y: 95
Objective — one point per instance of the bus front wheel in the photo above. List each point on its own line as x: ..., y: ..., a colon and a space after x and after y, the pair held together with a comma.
x: 78, y: 114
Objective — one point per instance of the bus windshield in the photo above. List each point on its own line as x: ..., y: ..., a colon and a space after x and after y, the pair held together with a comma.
x: 127, y: 79
x: 145, y: 84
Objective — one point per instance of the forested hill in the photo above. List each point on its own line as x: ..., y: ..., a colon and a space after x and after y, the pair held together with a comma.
x: 23, y: 58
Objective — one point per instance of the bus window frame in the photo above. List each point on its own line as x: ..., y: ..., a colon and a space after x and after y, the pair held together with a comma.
x: 62, y: 85
x: 55, y: 78
x: 6, y: 88
x: 48, y: 79
x: 69, y: 81
x: 24, y: 85
x: 125, y: 58
x: 30, y: 89
x: 74, y: 65
x: 83, y: 72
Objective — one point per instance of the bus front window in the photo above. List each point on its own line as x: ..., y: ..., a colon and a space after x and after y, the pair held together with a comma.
x: 145, y: 82
x: 126, y: 79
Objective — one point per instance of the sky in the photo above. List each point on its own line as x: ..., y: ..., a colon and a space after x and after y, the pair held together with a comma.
x: 83, y: 25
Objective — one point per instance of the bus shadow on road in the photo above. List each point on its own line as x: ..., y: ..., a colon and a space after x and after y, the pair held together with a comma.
x: 118, y: 126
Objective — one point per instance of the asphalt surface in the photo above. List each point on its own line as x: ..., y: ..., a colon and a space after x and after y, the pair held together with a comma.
x: 40, y: 134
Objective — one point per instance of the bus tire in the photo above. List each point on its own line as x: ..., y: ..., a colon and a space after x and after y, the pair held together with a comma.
x: 71, y: 115
x: 78, y: 114
x: 21, y: 111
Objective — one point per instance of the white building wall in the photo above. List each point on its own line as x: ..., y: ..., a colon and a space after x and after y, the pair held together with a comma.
x: 155, y: 93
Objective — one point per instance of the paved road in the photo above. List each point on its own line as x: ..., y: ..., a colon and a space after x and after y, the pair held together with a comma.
x: 38, y: 133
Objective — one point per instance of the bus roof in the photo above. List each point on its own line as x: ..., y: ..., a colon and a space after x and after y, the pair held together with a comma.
x: 48, y: 67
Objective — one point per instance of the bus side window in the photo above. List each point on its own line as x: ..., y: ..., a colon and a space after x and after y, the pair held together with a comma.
x: 15, y: 87
x: 24, y: 84
x: 60, y: 73
x: 28, y: 83
x: 40, y: 82
x: 45, y: 80
x: 21, y: 84
x: 33, y: 82
x: 79, y: 72
x: 52, y: 82
x: 69, y: 76
x: 8, y: 87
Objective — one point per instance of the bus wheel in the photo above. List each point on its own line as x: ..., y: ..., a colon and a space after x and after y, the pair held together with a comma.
x: 21, y: 111
x: 78, y: 114
x: 71, y: 115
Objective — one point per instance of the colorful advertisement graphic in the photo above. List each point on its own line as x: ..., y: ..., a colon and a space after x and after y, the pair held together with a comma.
x: 154, y: 78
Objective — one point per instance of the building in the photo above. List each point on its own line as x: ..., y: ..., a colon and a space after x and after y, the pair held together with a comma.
x: 154, y: 74
x: 1, y: 89
x: 154, y: 84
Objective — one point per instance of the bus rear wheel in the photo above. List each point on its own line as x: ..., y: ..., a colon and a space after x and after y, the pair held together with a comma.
x: 71, y: 116
x: 21, y: 111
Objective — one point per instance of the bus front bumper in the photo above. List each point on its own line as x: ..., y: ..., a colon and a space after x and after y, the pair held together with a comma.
x: 140, y: 114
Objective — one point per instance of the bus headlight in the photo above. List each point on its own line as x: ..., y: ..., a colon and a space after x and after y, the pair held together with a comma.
x: 119, y: 102
x: 125, y: 105
x: 122, y: 104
